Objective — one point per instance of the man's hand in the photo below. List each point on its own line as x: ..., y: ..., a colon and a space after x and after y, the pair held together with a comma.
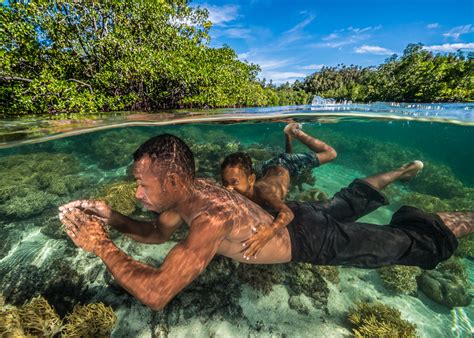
x: 253, y: 245
x: 87, y: 232
x: 93, y: 207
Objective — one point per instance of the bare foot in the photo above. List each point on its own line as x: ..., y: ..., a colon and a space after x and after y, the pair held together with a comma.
x: 460, y: 223
x: 292, y: 129
x: 410, y: 170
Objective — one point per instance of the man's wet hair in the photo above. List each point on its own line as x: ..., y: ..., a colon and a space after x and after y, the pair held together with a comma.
x: 171, y: 151
x: 239, y: 159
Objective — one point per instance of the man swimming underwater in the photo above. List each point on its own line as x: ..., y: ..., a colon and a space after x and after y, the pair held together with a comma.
x: 220, y: 220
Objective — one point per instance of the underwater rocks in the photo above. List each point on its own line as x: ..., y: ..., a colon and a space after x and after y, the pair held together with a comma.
x: 438, y: 180
x: 328, y: 272
x: 304, y: 278
x: 57, y: 282
x: 400, y: 278
x: 307, y: 195
x: 120, y: 196
x: 466, y: 247
x: 447, y: 284
x: 114, y: 149
x: 260, y: 277
x: 379, y: 320
x: 31, y: 183
x: 213, y: 295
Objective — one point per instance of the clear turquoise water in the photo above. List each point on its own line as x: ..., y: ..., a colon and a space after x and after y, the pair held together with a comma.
x: 49, y: 162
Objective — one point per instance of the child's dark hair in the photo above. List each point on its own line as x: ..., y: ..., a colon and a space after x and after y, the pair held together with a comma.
x: 239, y: 159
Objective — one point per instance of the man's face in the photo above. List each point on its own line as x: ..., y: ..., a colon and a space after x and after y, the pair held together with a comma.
x: 151, y: 191
x: 235, y: 178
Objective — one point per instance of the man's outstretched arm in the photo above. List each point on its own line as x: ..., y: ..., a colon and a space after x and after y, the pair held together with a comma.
x: 154, y: 287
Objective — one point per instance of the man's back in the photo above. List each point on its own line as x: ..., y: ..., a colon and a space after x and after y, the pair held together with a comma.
x: 230, y: 208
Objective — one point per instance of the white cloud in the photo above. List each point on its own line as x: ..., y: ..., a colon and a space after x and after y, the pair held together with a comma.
x: 331, y: 36
x: 302, y: 24
x: 346, y: 36
x: 449, y: 47
x: 456, y: 32
x: 365, y: 49
x: 272, y: 64
x: 220, y: 15
x: 295, y: 33
x: 238, y: 33
x: 312, y: 67
x: 432, y: 25
x: 282, y: 77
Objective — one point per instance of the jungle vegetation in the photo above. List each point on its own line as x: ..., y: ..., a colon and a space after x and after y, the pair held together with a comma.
x: 66, y: 56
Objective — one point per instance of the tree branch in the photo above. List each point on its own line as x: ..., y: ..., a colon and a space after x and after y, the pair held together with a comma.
x: 82, y: 83
x: 15, y: 78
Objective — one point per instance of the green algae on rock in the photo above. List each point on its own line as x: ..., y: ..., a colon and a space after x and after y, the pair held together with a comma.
x: 31, y: 183
x: 120, y: 196
x: 448, y: 284
x: 466, y: 247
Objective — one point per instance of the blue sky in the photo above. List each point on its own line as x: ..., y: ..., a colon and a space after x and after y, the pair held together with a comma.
x: 292, y: 39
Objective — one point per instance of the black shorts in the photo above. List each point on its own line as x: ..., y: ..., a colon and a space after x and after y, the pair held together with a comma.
x: 294, y: 163
x: 325, y: 233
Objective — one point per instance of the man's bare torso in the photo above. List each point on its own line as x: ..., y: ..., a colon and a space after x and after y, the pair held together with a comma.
x: 240, y: 214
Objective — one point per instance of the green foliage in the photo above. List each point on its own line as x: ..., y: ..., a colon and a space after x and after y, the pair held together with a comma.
x: 379, y: 320
x: 69, y: 56
x: 400, y: 278
x: 416, y: 76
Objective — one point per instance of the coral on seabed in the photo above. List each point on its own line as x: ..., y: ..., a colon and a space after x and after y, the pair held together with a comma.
x: 10, y: 325
x: 430, y: 203
x: 400, y: 278
x: 379, y: 320
x: 447, y: 284
x: 466, y: 247
x: 38, y: 318
x: 91, y: 320
x: 31, y: 183
x: 438, y: 180
x: 260, y: 277
x: 329, y: 272
x: 120, y: 196
x: 114, y: 149
x: 308, y: 195
x: 305, y: 278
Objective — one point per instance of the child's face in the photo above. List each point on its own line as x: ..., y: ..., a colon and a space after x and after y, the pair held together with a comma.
x: 235, y: 178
